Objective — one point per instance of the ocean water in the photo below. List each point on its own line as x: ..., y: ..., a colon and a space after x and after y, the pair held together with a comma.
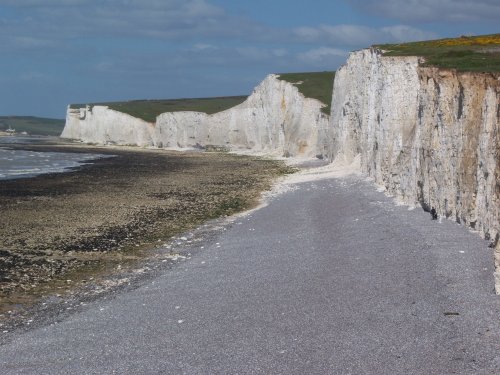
x: 23, y: 164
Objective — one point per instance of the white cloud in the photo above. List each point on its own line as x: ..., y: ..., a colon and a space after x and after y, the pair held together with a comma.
x: 403, y: 33
x: 34, y: 77
x: 308, y: 34
x: 349, y: 34
x: 31, y: 3
x: 162, y: 19
x: 104, y: 66
x: 432, y: 10
x: 360, y: 36
x: 200, y: 8
x: 32, y: 42
x: 203, y: 47
x: 280, y: 52
x: 321, y: 56
x: 254, y: 53
x: 259, y: 54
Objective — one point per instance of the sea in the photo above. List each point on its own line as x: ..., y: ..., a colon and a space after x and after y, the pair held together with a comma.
x: 24, y: 164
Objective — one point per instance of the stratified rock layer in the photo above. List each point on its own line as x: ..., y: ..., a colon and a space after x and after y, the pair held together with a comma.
x: 429, y: 136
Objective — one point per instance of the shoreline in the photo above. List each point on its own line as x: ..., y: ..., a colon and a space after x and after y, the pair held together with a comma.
x: 62, y: 229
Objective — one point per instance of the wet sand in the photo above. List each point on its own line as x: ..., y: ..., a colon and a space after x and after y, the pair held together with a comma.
x: 81, y: 222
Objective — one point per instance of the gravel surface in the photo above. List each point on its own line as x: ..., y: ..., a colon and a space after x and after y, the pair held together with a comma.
x: 57, y: 230
x: 329, y: 278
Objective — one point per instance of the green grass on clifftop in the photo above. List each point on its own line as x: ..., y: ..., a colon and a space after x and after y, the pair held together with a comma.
x: 316, y: 85
x: 148, y: 110
x: 32, y: 125
x: 466, y: 53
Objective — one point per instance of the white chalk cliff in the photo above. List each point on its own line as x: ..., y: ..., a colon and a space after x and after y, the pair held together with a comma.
x: 101, y: 125
x: 430, y: 136
x: 275, y: 119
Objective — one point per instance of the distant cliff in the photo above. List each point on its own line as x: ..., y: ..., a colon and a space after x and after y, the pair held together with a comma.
x: 99, y: 124
x: 275, y: 119
x: 430, y: 136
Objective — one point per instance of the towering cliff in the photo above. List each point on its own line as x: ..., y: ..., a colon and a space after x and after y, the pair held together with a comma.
x: 430, y: 136
x: 276, y: 119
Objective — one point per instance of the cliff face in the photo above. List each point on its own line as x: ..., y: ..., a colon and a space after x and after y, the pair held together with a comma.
x: 99, y: 124
x: 275, y: 119
x: 429, y: 136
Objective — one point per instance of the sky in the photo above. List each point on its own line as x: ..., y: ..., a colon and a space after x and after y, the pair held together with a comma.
x: 57, y: 52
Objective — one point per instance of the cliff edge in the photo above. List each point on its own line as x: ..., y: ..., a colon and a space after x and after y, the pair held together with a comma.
x: 429, y: 136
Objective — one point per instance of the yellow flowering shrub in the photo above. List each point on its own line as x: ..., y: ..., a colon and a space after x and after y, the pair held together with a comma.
x: 482, y: 40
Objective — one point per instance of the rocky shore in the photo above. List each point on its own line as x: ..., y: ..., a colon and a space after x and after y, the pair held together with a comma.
x: 69, y: 226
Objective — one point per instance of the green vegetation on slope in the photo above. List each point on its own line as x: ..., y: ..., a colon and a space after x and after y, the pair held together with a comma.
x: 474, y: 54
x: 32, y: 125
x: 316, y: 85
x: 148, y: 110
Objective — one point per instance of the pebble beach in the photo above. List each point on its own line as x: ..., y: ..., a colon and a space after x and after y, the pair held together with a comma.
x: 80, y: 223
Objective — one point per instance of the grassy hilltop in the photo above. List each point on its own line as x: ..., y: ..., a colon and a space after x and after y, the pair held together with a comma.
x: 316, y: 85
x: 466, y: 53
x: 32, y: 125
x: 148, y: 110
